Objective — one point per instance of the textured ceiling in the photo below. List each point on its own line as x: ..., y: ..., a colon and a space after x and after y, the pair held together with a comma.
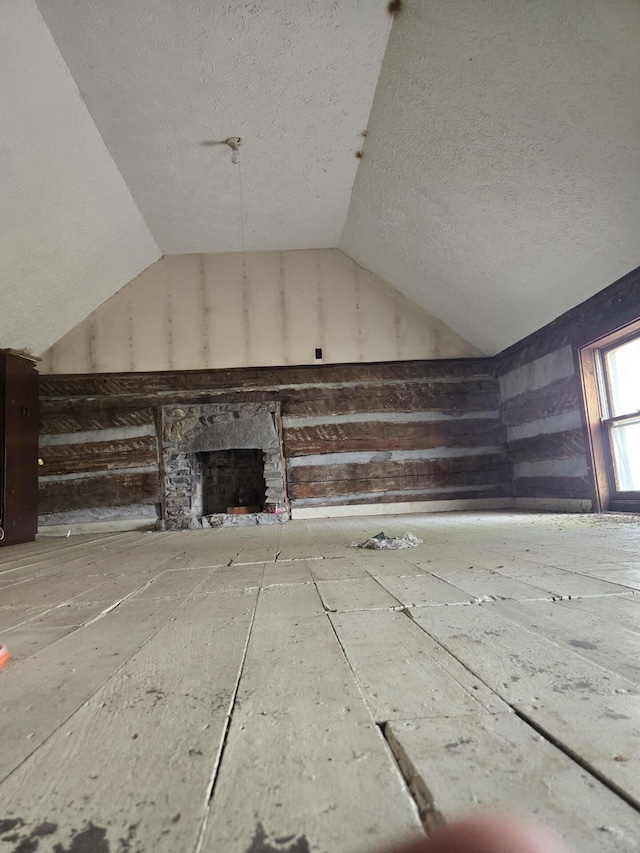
x: 500, y: 183
x: 294, y: 78
x: 70, y: 232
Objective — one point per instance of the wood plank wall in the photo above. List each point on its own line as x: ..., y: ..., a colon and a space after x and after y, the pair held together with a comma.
x: 353, y: 434
x: 542, y: 398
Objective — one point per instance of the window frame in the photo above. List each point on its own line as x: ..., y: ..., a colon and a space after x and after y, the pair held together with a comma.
x: 593, y: 371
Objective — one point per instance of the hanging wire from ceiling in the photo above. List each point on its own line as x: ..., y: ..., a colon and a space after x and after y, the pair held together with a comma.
x: 234, y: 143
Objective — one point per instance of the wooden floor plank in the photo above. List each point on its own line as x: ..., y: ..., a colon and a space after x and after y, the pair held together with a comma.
x: 626, y: 574
x: 392, y: 563
x: 69, y: 671
x: 263, y: 548
x: 30, y: 556
x: 618, y: 609
x: 34, y: 592
x: 331, y: 542
x: 24, y: 641
x: 337, y: 570
x: 290, y: 549
x: 604, y: 734
x: 197, y: 549
x: 304, y: 761
x: 316, y: 682
x: 424, y: 590
x: 295, y: 601
x: 482, y: 583
x: 172, y: 583
x: 520, y: 665
x: 360, y: 594
x: 293, y: 571
x: 568, y: 584
x: 233, y: 578
x: 161, y: 717
x: 610, y: 646
x: 403, y: 673
x: 460, y: 763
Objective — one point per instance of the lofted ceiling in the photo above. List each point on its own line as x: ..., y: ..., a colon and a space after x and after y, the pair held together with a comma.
x: 500, y: 182
x: 294, y: 79
x: 501, y: 179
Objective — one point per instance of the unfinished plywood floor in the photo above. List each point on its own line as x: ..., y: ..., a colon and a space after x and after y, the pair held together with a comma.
x: 273, y: 690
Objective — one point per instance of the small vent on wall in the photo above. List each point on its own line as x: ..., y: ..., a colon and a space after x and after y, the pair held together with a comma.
x: 318, y: 352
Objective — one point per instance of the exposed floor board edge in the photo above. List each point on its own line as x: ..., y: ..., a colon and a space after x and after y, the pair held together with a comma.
x: 215, y: 772
x: 558, y: 744
x: 576, y: 757
x: 430, y: 817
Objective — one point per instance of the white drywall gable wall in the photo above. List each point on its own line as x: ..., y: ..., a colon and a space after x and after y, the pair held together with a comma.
x: 194, y: 312
x: 71, y: 235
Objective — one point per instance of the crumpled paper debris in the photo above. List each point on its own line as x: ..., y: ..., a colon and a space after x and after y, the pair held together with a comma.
x: 382, y: 542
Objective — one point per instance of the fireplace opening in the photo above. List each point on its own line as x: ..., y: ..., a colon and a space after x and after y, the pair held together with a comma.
x: 232, y: 481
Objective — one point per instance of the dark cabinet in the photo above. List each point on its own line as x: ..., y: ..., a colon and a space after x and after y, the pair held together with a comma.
x: 18, y: 450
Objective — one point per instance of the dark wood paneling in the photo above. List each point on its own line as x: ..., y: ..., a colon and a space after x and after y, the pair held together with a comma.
x: 499, y: 491
x: 102, y: 406
x: 52, y: 423
x: 302, y: 441
x: 554, y: 399
x: 301, y: 401
x: 87, y: 403
x: 464, y: 396
x: 557, y: 487
x: 409, y: 468
x: 87, y: 492
x: 332, y: 488
x: 83, y: 385
x: 98, y: 456
x: 555, y: 445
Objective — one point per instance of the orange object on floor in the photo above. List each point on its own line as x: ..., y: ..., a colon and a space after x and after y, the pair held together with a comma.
x: 4, y: 654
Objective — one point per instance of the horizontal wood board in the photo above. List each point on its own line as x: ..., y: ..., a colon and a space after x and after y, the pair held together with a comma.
x: 439, y: 408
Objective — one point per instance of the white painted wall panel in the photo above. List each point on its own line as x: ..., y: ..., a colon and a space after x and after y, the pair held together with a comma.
x: 70, y: 232
x: 191, y: 312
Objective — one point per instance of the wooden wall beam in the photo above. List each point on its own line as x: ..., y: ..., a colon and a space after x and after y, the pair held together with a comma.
x: 556, y: 445
x: 331, y: 437
x: 554, y: 399
x: 88, y: 492
x: 98, y: 456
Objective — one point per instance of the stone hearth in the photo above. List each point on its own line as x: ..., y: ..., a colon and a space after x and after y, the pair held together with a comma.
x: 190, y: 433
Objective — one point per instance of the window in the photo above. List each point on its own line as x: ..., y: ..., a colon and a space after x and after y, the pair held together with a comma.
x: 611, y: 383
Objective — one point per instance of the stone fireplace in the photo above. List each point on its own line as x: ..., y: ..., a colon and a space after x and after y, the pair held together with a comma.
x: 222, y: 464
